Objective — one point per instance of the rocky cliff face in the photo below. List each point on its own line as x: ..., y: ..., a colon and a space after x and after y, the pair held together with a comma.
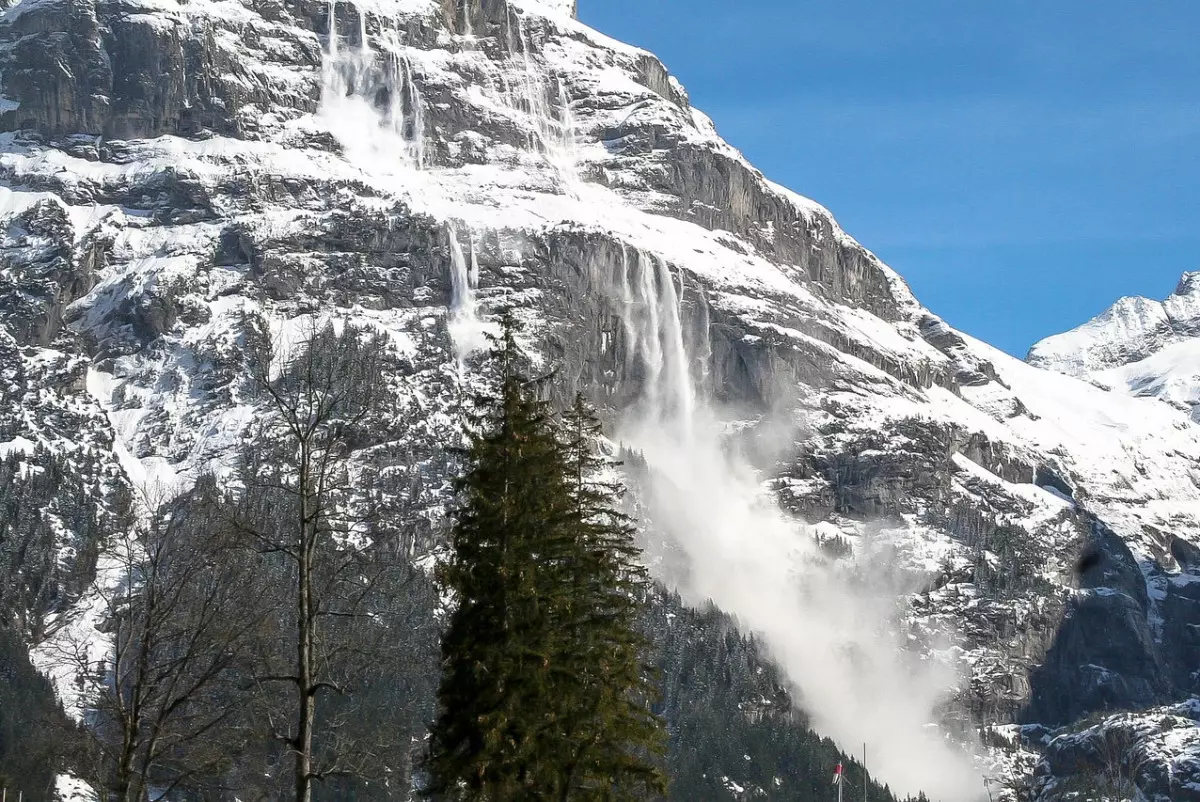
x: 172, y: 170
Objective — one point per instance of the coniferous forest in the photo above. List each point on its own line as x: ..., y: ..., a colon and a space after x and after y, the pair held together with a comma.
x: 269, y: 635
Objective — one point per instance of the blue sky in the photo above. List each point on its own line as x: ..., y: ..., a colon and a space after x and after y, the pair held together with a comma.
x: 1023, y: 164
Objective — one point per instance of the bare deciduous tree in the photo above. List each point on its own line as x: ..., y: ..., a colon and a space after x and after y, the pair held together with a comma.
x: 1121, y: 761
x: 178, y: 608
x: 278, y: 598
x: 300, y: 504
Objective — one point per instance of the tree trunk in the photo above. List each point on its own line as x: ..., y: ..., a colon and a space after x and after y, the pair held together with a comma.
x: 304, y: 646
x: 304, y: 730
x: 124, y: 785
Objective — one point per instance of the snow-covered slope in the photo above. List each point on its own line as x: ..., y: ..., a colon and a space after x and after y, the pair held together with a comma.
x: 1139, y: 346
x: 174, y: 171
x: 1155, y: 753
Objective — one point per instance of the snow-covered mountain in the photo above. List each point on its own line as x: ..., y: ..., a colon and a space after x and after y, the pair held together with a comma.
x: 1138, y: 346
x: 170, y: 170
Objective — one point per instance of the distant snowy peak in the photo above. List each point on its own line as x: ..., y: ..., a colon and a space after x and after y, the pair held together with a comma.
x: 1139, y: 345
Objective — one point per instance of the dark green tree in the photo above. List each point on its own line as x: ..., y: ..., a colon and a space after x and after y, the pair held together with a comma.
x: 494, y: 694
x: 35, y: 736
x: 543, y: 695
x: 610, y: 738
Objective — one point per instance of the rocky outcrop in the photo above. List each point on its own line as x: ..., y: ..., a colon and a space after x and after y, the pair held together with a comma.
x: 1123, y: 756
x: 41, y: 273
x: 1104, y: 656
x: 108, y: 69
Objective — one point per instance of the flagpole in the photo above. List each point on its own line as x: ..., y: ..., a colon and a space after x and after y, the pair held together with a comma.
x: 864, y: 771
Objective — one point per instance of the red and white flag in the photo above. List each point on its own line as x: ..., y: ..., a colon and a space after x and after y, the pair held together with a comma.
x: 837, y: 775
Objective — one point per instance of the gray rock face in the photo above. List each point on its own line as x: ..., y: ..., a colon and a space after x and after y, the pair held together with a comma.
x: 42, y: 273
x: 174, y: 172
x: 1104, y: 655
x: 80, y: 67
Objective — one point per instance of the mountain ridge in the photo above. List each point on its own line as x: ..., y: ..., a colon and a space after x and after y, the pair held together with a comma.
x: 412, y: 165
x: 1139, y: 346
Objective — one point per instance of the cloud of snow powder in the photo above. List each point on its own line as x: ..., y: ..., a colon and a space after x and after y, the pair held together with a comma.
x: 830, y: 625
x: 835, y: 640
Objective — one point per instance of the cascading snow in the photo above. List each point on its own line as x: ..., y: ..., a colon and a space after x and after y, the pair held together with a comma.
x: 372, y: 102
x: 356, y: 80
x: 466, y: 327
x: 529, y: 95
x: 727, y: 540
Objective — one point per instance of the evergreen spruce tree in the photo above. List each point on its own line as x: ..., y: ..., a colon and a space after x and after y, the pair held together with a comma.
x: 543, y: 694
x: 611, y: 740
x: 495, y: 694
